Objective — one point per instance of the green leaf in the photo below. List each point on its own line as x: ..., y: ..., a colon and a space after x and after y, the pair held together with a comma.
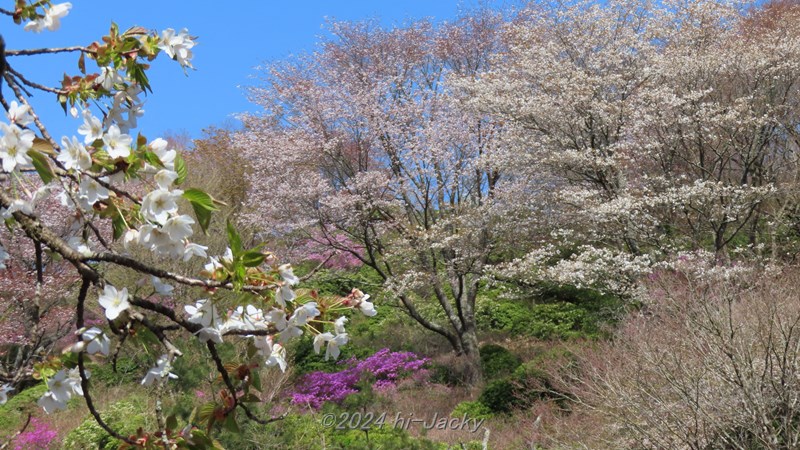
x: 206, y: 411
x: 252, y: 258
x: 230, y: 422
x: 146, y: 337
x: 202, y: 204
x: 152, y: 158
x: 69, y: 359
x: 239, y: 275
x: 255, y: 379
x: 180, y: 168
x: 119, y: 225
x: 42, y: 165
x: 234, y: 240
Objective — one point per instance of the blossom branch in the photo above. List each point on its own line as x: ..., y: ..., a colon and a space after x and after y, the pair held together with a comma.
x: 42, y: 51
x: 32, y: 84
x: 82, y: 368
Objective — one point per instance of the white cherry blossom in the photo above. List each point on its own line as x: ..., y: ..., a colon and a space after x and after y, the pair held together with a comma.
x: 114, y: 301
x: 91, y: 129
x: 117, y: 144
x: 161, y: 370
x: 96, y: 341
x: 74, y: 155
x: 51, y: 20
x: 286, y: 272
x: 159, y: 204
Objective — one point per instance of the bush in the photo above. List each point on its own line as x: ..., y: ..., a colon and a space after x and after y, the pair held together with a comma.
x: 129, y: 370
x: 125, y: 416
x: 38, y: 436
x: 529, y: 382
x: 13, y: 412
x: 500, y: 396
x: 497, y: 361
x: 382, y: 370
x: 557, y: 312
x: 305, y: 431
x: 445, y: 374
x: 473, y: 410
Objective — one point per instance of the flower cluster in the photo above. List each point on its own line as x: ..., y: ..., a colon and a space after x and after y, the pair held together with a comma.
x: 61, y: 387
x: 51, y: 20
x: 92, y: 341
x: 16, y: 140
x: 177, y: 46
x: 38, y: 436
x: 385, y: 367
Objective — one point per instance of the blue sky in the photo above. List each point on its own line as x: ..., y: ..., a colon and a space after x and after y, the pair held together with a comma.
x: 233, y: 38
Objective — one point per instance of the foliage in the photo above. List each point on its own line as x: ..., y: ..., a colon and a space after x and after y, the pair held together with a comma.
x: 14, y: 412
x: 306, y: 431
x: 128, y: 370
x: 533, y: 380
x: 556, y: 312
x: 125, y: 415
x: 473, y: 410
x: 497, y: 361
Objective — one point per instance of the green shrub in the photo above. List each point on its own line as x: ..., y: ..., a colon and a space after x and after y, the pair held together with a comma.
x: 445, y: 374
x: 473, y: 410
x: 500, y: 396
x: 557, y: 321
x: 556, y: 312
x: 305, y: 431
x: 16, y: 409
x: 386, y: 437
x: 125, y: 416
x: 529, y: 382
x: 497, y: 361
x: 129, y: 370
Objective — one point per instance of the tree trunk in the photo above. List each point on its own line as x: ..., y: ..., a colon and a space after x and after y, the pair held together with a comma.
x: 473, y: 373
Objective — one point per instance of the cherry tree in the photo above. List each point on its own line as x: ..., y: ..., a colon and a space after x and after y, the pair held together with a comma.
x: 363, y: 149
x: 657, y: 129
x: 124, y: 195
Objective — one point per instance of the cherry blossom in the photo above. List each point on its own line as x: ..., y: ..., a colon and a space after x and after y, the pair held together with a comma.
x: 74, y: 155
x: 287, y: 274
x: 14, y: 145
x: 117, y: 144
x: 177, y: 46
x: 91, y: 129
x: 96, y: 341
x: 277, y: 357
x: 19, y: 114
x: 160, y: 371
x: 114, y: 301
x: 51, y: 20
x: 160, y: 203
